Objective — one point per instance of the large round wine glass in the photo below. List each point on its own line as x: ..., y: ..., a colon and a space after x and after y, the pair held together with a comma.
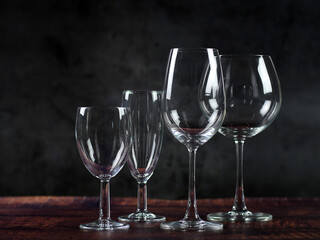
x: 103, y: 140
x: 253, y: 100
x: 193, y: 110
x: 147, y: 134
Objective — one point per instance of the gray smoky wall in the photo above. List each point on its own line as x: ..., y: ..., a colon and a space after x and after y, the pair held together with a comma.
x: 58, y: 55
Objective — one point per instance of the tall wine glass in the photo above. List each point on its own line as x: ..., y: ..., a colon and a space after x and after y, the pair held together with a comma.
x: 253, y: 100
x: 103, y: 140
x: 193, y: 110
x: 147, y: 132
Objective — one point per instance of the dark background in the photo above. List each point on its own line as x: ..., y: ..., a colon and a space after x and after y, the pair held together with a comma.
x: 58, y: 55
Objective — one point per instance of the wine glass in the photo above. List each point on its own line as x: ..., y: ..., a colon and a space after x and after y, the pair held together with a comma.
x: 103, y: 140
x: 147, y: 135
x: 253, y: 99
x: 193, y: 110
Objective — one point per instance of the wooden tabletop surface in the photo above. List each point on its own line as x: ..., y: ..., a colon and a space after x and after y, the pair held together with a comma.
x: 59, y: 218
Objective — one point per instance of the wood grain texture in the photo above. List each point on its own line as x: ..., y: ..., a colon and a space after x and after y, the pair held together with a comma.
x: 59, y: 218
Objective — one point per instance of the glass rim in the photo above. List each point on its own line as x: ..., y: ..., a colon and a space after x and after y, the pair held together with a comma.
x: 103, y: 107
x: 194, y: 49
x: 142, y: 91
x: 244, y: 55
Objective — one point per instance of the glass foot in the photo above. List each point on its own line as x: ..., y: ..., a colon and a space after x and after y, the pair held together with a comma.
x: 198, y: 225
x: 243, y: 216
x: 142, y: 217
x: 101, y: 225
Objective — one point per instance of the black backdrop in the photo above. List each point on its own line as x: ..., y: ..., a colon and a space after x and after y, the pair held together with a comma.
x: 58, y: 55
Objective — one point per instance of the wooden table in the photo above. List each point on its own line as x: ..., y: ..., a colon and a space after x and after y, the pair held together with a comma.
x: 59, y: 218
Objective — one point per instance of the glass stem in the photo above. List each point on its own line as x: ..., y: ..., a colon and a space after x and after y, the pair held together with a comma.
x: 104, y: 205
x: 239, y: 204
x: 192, y: 212
x: 142, y: 198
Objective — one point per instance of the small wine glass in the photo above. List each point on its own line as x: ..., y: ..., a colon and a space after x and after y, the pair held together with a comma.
x: 253, y: 99
x: 193, y: 110
x: 147, y: 132
x: 103, y: 140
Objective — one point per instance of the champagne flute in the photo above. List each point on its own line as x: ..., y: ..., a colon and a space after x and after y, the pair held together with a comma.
x: 253, y: 99
x: 103, y: 140
x: 147, y: 132
x: 193, y: 110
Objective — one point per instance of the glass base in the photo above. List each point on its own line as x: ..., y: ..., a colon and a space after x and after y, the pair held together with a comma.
x: 235, y: 216
x: 198, y: 225
x: 102, y: 225
x: 142, y: 217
